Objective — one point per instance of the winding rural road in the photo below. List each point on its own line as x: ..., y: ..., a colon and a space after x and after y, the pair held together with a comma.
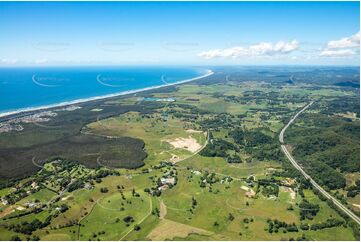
x: 199, y: 150
x: 142, y: 220
x: 299, y: 168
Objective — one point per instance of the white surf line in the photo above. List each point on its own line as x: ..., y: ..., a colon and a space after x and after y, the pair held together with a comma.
x: 83, y: 100
x: 41, y: 84
x: 308, y: 177
x: 106, y: 84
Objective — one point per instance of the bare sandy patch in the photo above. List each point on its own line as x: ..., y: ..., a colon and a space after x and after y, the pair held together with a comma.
x: 96, y: 110
x: 351, y: 178
x: 168, y: 229
x: 189, y: 144
x: 66, y: 198
x: 289, y: 148
x: 245, y: 188
x: 162, y: 210
x: 350, y: 115
x: 6, y: 211
x: 249, y: 191
x: 290, y: 191
x: 175, y: 158
x: 20, y: 208
x: 57, y: 237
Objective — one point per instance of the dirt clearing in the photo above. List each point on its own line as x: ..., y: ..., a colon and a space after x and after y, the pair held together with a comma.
x: 167, y: 230
x: 189, y: 144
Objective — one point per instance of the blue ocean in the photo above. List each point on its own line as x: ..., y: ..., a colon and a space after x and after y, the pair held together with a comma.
x: 30, y: 87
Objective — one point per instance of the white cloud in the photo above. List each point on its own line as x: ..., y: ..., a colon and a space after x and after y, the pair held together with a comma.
x: 344, y: 47
x: 338, y: 53
x: 347, y: 42
x: 261, y: 49
x: 8, y: 61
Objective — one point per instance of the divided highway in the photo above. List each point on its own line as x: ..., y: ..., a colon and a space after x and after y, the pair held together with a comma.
x: 299, y: 168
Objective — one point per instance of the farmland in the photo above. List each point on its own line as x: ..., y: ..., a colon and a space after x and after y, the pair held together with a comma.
x: 198, y: 161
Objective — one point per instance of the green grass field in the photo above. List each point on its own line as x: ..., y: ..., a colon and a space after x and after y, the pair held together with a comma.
x: 156, y: 131
x: 224, y: 210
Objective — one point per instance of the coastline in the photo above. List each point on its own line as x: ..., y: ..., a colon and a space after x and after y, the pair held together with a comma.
x: 83, y: 100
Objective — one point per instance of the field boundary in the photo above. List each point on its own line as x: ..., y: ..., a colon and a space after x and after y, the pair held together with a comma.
x: 142, y: 220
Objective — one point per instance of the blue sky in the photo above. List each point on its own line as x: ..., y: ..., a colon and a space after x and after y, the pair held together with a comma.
x: 179, y: 33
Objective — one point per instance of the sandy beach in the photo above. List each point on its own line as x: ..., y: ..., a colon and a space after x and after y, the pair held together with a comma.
x: 83, y: 100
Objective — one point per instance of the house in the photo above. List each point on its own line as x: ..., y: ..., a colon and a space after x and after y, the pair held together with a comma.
x: 88, y: 186
x: 197, y: 173
x: 250, y: 193
x: 30, y: 204
x: 168, y: 180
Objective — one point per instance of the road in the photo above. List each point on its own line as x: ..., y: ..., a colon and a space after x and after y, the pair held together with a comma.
x: 299, y: 168
x: 61, y: 193
x: 199, y: 150
x: 204, y: 146
x: 142, y: 220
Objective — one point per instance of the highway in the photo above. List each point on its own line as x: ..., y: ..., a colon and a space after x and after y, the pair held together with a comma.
x: 299, y: 168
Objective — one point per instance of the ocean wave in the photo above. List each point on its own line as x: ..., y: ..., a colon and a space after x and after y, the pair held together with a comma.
x: 83, y: 100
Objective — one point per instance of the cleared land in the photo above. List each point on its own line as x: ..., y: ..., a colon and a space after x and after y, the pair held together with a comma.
x: 206, y: 166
